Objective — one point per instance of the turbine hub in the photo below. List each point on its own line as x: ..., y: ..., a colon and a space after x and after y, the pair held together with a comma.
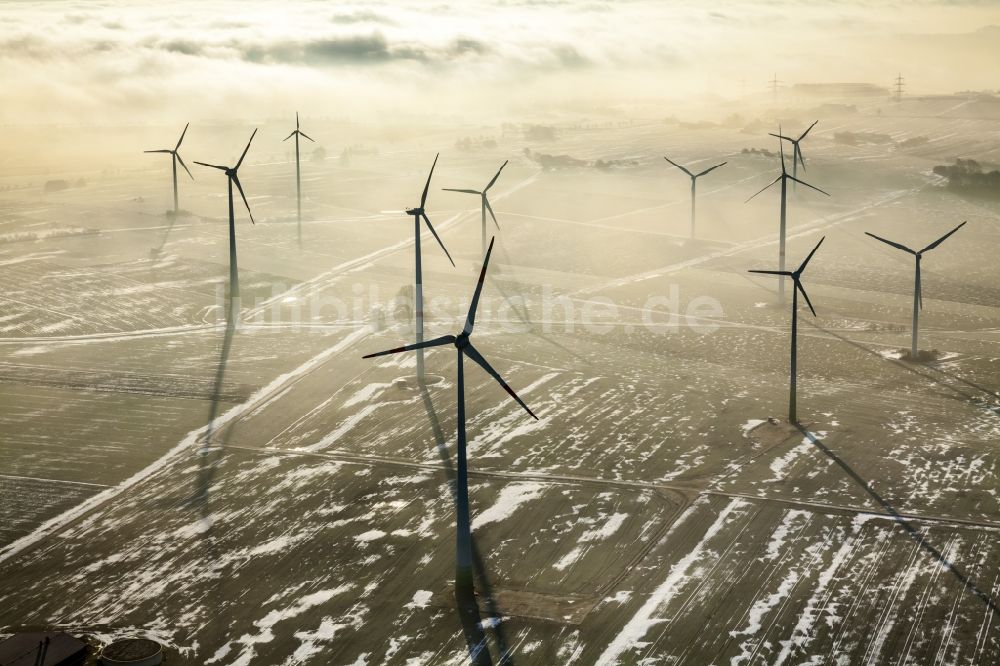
x: 415, y: 211
x: 230, y: 172
x: 462, y: 341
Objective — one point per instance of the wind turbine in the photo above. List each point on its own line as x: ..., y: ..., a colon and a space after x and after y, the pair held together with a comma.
x: 418, y: 291
x: 484, y: 203
x: 694, y: 179
x: 298, y: 174
x: 233, y: 177
x: 175, y: 157
x: 784, y: 177
x: 795, y: 275
x: 463, y: 539
x: 918, y: 298
x: 796, y: 149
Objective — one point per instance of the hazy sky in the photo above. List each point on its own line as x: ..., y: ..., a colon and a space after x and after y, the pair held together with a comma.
x: 71, y: 61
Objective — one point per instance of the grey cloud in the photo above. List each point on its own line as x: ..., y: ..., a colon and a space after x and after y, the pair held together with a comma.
x: 365, y: 16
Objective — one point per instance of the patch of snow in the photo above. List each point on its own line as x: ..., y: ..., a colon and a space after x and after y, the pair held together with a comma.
x: 511, y: 497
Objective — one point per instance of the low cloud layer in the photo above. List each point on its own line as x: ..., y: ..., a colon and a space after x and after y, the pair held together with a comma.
x: 66, y: 61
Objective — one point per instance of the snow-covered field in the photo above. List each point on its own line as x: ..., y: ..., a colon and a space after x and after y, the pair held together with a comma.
x: 653, y: 513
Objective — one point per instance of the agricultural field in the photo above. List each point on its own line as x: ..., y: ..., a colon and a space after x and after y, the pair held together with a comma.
x: 260, y: 494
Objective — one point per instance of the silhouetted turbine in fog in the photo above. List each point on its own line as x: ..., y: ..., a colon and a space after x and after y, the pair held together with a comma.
x: 784, y: 178
x: 918, y: 298
x: 463, y: 541
x: 298, y: 174
x: 694, y: 179
x: 233, y: 177
x: 796, y: 149
x: 175, y: 157
x: 795, y: 275
x: 418, y: 289
x: 484, y: 203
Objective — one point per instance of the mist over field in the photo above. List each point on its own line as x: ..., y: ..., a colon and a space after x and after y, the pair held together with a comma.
x: 198, y: 449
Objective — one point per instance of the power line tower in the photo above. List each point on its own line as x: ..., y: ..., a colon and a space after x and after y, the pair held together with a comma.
x: 774, y: 83
x: 899, y: 87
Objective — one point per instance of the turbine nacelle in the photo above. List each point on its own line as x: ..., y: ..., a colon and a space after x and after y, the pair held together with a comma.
x: 483, y: 194
x: 918, y: 254
x: 174, y: 152
x: 418, y: 211
x: 462, y: 342
x: 797, y: 274
x: 233, y: 176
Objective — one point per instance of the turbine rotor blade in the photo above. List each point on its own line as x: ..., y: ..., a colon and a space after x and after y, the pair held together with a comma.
x: 296, y: 120
x: 942, y: 239
x: 451, y: 189
x: 496, y: 176
x: 679, y: 166
x: 427, y: 185
x: 470, y: 320
x: 763, y: 188
x: 246, y: 149
x: 802, y: 182
x: 780, y: 136
x: 898, y: 246
x: 179, y: 159
x: 798, y: 153
x: 788, y: 273
x: 177, y: 147
x: 810, y: 256
x: 710, y: 169
x: 798, y: 285
x: 474, y: 354
x: 781, y: 149
x: 303, y: 134
x: 214, y: 166
x: 809, y: 129
x: 490, y: 208
x: 436, y: 342
x: 236, y: 181
x: 165, y: 150
x: 289, y: 136
x: 920, y: 289
x: 438, y: 238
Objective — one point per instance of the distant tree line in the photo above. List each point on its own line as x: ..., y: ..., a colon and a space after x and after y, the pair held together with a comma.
x: 969, y: 177
x: 58, y: 185
x: 758, y: 151
x: 552, y: 162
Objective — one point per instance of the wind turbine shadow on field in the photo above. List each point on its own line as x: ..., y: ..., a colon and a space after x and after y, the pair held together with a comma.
x: 521, y: 310
x: 209, y: 459
x: 900, y: 520
x: 925, y: 372
x: 467, y: 606
x: 210, y: 455
x: 155, y: 252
